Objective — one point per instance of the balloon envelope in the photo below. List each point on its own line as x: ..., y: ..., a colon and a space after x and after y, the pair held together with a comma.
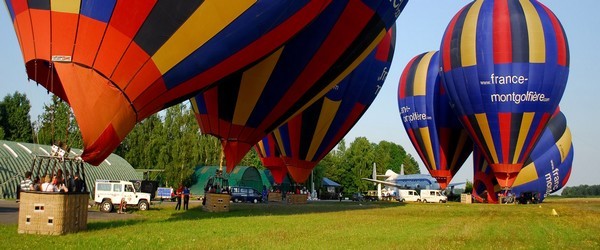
x: 118, y: 61
x: 309, y: 136
x: 270, y: 156
x: 549, y: 166
x: 431, y: 124
x: 505, y: 66
x: 246, y: 106
x: 485, y: 185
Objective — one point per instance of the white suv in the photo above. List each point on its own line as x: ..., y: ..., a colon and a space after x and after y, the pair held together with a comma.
x: 109, y: 194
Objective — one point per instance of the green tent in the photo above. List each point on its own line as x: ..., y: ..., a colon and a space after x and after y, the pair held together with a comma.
x: 240, y: 176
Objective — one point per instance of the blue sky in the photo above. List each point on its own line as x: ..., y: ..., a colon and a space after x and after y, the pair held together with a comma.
x: 420, y: 28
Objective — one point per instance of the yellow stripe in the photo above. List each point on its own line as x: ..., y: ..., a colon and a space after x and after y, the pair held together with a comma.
x: 487, y: 135
x: 535, y: 31
x: 253, y: 83
x: 279, y: 142
x: 261, y: 148
x: 564, y: 144
x: 208, y: 20
x: 523, y: 131
x: 66, y: 6
x: 346, y: 72
x: 328, y: 111
x: 462, y: 140
x: 426, y: 137
x: 420, y: 83
x: 527, y: 174
x: 468, y: 36
x: 194, y: 105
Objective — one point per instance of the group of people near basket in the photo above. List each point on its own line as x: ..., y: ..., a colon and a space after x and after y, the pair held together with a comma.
x: 57, y: 182
x: 183, y: 192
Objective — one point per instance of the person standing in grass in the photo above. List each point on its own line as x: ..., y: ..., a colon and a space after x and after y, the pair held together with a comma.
x: 186, y: 197
x: 178, y: 194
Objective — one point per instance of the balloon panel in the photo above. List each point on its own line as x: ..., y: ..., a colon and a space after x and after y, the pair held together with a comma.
x: 505, y: 66
x: 431, y: 124
x: 247, y: 105
x: 144, y: 55
x: 270, y: 156
x: 311, y: 134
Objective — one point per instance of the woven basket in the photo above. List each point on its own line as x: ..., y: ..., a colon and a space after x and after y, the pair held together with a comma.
x: 217, y: 202
x: 52, y: 213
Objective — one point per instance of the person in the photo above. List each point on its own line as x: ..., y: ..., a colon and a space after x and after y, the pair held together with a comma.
x: 186, y: 197
x: 78, y: 183
x: 178, y: 196
x: 37, y: 184
x: 122, y: 206
x: 69, y: 181
x: 48, y: 185
x: 340, y: 195
x: 265, y: 194
x: 26, y: 185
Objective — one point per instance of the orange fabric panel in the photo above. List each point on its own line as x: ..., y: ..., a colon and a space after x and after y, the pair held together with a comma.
x: 113, y: 46
x: 234, y: 152
x: 40, y: 20
x: 299, y: 174
x: 97, y: 106
x: 132, y: 61
x: 141, y: 81
x: 63, y: 33
x: 25, y: 35
x: 89, y: 36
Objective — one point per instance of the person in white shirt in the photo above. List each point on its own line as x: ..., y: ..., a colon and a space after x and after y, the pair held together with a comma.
x: 49, y: 186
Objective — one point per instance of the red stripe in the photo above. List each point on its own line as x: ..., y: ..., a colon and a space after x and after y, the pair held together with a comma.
x: 502, y: 33
x: 294, y: 129
x: 383, y: 49
x: 211, y: 99
x: 560, y: 37
x: 504, y: 120
x: 402, y: 88
x: 535, y: 137
x: 415, y: 143
x: 447, y: 41
x: 19, y: 6
x: 564, y: 181
x: 128, y: 16
x: 444, y: 136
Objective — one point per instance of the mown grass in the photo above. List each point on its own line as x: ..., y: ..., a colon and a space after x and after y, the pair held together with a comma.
x: 335, y: 225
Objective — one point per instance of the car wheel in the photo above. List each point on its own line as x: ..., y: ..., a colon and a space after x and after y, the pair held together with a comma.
x: 402, y: 200
x: 424, y: 201
x: 106, y: 206
x: 143, y: 205
x: 255, y: 200
x: 441, y: 201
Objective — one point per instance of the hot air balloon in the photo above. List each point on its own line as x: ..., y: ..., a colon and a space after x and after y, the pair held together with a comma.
x: 118, y: 61
x: 485, y: 185
x: 270, y: 156
x: 309, y: 136
x: 246, y: 106
x: 549, y: 166
x: 431, y: 124
x: 505, y: 66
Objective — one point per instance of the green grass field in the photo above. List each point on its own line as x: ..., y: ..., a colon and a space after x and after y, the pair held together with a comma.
x: 335, y: 225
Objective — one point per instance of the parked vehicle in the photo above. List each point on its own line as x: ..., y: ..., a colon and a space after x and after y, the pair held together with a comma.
x: 429, y: 195
x: 109, y: 193
x: 358, y: 197
x: 165, y: 193
x: 245, y: 194
x: 408, y: 195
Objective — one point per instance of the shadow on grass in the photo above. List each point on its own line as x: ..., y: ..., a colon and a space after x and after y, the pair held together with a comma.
x: 279, y: 209
x: 101, y: 225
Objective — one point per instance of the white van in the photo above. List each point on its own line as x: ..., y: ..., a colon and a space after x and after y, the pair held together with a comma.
x: 408, y: 195
x: 429, y: 195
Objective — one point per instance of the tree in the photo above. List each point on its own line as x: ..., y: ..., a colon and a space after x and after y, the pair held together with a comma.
x: 360, y: 157
x: 14, y: 117
x: 57, y: 123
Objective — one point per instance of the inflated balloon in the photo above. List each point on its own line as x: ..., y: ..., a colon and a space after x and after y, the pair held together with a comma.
x: 118, y: 61
x: 549, y: 166
x: 309, y: 136
x: 485, y: 185
x: 270, y: 156
x: 505, y: 66
x: 431, y: 124
x: 246, y: 106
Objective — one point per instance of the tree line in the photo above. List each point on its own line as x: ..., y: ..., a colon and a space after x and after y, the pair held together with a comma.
x: 172, y: 141
x: 581, y: 191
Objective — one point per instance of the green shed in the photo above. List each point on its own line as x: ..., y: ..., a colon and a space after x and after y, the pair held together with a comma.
x: 240, y: 176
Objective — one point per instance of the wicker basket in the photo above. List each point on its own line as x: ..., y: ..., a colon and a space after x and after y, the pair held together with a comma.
x: 52, y: 213
x: 273, y: 196
x: 217, y: 202
x: 297, y: 198
x: 466, y: 198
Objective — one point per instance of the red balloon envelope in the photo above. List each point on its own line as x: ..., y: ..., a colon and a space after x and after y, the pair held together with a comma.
x: 485, y: 185
x: 432, y: 126
x: 505, y: 66
x: 311, y: 134
x: 270, y: 156
x: 118, y: 61
x: 246, y: 106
